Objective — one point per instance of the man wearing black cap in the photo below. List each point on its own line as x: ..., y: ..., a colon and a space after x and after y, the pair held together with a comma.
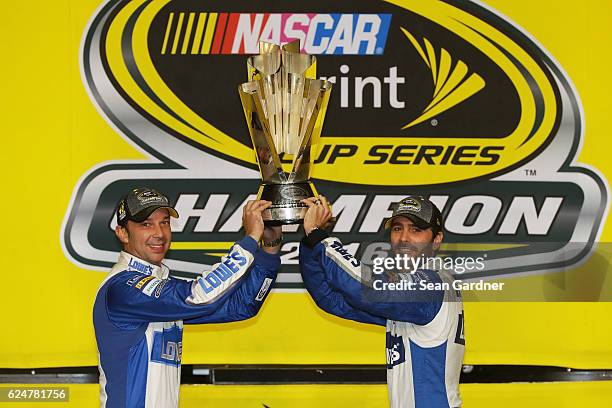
x: 425, y: 339
x: 139, y: 310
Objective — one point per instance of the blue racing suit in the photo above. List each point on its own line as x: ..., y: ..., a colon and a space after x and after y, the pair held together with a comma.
x: 425, y: 339
x: 139, y: 313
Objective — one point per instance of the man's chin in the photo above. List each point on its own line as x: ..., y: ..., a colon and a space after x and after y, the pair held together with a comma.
x: 408, y: 253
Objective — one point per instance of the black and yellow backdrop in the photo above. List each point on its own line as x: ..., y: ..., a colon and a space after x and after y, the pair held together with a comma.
x: 497, y: 111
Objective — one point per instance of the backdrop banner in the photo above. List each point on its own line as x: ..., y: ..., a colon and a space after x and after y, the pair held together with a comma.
x: 482, y: 107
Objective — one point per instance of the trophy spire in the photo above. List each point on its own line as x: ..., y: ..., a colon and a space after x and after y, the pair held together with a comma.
x: 284, y: 106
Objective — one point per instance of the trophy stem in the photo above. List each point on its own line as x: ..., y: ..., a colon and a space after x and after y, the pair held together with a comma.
x: 286, y: 206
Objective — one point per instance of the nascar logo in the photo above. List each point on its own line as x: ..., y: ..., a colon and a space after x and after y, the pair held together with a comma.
x: 240, y: 33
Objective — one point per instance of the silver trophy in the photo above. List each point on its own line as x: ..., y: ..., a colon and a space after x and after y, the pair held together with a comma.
x: 284, y: 106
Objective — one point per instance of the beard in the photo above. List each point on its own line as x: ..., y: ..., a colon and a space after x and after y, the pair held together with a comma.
x: 413, y: 256
x: 407, y: 249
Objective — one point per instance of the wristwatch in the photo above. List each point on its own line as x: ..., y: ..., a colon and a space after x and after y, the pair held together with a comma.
x: 314, y: 229
x: 273, y: 243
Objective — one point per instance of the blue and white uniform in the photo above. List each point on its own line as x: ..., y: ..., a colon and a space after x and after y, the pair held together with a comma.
x: 139, y: 314
x: 425, y: 340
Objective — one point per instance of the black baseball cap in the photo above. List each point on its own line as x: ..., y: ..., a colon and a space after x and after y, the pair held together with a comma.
x: 420, y: 210
x: 139, y: 203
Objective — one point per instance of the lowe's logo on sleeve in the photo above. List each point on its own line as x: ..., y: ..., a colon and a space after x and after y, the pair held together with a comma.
x: 396, y: 353
x: 224, y: 270
x: 339, y: 248
x: 168, y: 346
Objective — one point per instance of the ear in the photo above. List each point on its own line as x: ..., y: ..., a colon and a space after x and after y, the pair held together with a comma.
x: 437, y: 240
x: 122, y: 234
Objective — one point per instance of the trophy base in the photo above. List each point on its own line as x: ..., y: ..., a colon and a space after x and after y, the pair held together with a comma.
x: 286, y: 206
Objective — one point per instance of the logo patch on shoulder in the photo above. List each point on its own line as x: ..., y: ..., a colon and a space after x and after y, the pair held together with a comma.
x: 143, y: 282
x: 150, y: 287
x: 133, y: 280
x: 160, y: 287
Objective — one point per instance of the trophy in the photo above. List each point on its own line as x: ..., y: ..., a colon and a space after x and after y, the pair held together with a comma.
x: 284, y: 106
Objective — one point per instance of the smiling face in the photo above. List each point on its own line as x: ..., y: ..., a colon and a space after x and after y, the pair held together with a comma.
x: 407, y: 238
x: 148, y: 240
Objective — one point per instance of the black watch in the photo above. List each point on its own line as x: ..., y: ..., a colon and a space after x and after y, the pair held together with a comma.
x: 273, y: 243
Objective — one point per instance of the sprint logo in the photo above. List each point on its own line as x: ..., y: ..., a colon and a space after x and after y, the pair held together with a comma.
x: 453, y: 83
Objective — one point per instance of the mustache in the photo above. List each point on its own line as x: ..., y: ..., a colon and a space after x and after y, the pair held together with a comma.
x: 406, y: 247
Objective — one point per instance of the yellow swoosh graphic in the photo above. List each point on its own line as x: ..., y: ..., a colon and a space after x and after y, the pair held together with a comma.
x: 451, y: 87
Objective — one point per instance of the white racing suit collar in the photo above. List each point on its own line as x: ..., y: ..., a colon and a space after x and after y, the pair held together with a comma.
x: 129, y: 262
